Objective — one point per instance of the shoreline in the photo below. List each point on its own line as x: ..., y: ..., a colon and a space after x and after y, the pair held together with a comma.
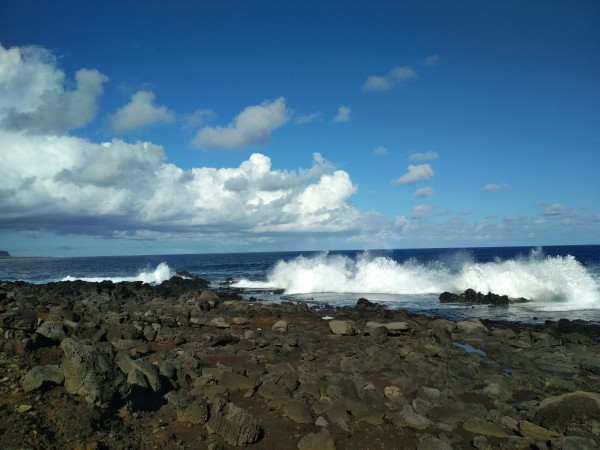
x: 181, y: 365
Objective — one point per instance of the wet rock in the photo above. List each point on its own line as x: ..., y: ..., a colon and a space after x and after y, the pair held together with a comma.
x: 470, y: 296
x: 233, y: 424
x: 91, y: 374
x: 36, y: 377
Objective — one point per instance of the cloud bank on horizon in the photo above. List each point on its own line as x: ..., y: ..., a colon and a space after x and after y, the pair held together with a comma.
x: 66, y: 184
x: 89, y: 162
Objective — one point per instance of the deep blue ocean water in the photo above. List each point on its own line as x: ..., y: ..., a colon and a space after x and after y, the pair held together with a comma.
x: 560, y: 281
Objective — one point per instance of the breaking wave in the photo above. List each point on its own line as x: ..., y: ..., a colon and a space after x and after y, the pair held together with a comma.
x: 551, y: 282
x: 160, y: 273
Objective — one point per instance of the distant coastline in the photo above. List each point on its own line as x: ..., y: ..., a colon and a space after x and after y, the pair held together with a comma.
x: 5, y: 254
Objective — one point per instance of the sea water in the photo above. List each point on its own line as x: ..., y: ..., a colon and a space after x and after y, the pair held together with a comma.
x: 559, y: 282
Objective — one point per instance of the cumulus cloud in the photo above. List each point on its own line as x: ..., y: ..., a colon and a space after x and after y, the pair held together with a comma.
x: 343, y: 114
x: 140, y: 112
x: 386, y: 82
x: 424, y: 192
x: 423, y: 156
x: 415, y: 174
x: 34, y: 93
x: 71, y: 185
x: 494, y: 187
x: 252, y: 127
x: 421, y: 211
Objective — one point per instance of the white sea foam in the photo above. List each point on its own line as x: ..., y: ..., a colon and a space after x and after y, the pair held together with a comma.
x: 160, y: 273
x: 551, y: 282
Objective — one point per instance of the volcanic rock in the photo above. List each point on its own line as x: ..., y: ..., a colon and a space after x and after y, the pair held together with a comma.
x: 91, y: 374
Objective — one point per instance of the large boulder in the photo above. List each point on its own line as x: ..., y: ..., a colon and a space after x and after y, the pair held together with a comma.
x: 19, y: 319
x: 139, y: 371
x: 233, y: 424
x: 576, y: 411
x: 55, y: 331
x: 343, y: 327
x: 91, y: 374
x: 189, y: 409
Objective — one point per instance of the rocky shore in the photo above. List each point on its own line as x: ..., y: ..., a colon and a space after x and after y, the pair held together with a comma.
x: 183, y: 366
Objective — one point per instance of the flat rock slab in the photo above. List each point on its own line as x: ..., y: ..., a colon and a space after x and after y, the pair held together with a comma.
x: 343, y: 327
x: 36, y: 377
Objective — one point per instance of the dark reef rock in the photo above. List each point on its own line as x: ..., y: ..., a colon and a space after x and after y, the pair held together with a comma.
x: 470, y: 296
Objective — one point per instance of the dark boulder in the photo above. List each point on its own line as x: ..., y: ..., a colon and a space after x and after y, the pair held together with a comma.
x: 472, y: 297
x: 19, y: 319
x: 91, y: 373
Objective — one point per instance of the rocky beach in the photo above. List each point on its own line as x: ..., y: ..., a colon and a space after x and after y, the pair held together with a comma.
x: 186, y: 365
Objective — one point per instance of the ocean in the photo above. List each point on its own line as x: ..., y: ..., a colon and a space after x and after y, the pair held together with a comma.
x: 559, y: 281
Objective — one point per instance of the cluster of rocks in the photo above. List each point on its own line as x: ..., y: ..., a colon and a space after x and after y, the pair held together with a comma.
x: 472, y: 297
x: 128, y: 365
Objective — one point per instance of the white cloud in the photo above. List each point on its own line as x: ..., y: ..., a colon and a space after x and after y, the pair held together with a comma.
x: 423, y: 156
x: 415, y: 174
x: 34, y: 95
x: 494, y: 187
x: 343, y: 114
x: 424, y: 192
x: 386, y: 82
x: 431, y: 61
x: 380, y: 151
x: 140, y: 112
x: 555, y: 209
x: 308, y: 118
x: 421, y: 211
x: 198, y: 118
x: 252, y: 127
x: 71, y: 185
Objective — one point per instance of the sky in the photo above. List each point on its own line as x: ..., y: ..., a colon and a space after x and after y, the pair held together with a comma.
x: 157, y: 127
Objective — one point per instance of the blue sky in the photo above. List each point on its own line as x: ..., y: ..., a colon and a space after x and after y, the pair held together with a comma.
x: 139, y: 127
